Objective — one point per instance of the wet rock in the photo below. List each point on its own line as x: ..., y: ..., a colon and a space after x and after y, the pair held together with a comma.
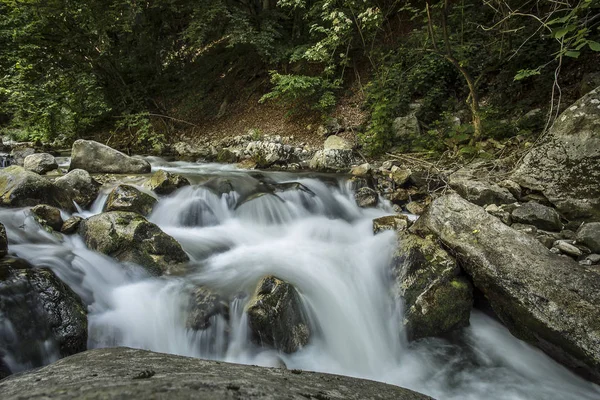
x: 40, y: 163
x: 337, y: 143
x: 71, y: 225
x: 366, y: 197
x: 437, y: 299
x: 277, y: 317
x: 163, y: 182
x: 589, y: 235
x: 397, y: 222
x: 128, y: 236
x: 203, y: 306
x: 482, y: 193
x: 3, y: 241
x: 22, y: 188
x: 332, y: 160
x: 109, y: 374
x: 525, y: 284
x: 48, y: 216
x: 565, y: 167
x: 95, y: 157
x: 537, y: 215
x: 79, y: 186
x: 567, y: 248
x: 44, y: 313
x: 227, y: 156
x: 129, y: 198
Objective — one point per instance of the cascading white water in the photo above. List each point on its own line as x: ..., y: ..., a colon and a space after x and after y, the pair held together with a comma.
x: 311, y: 234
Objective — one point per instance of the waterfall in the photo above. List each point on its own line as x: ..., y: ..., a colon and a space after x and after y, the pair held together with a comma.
x: 238, y: 226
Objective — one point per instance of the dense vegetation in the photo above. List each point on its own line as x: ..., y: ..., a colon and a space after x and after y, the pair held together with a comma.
x: 68, y: 68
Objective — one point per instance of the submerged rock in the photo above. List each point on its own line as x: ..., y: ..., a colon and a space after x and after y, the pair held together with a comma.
x: 276, y: 316
x: 22, y: 188
x: 544, y: 299
x: 139, y: 374
x: 163, y: 182
x: 48, y: 216
x: 96, y: 157
x: 42, y: 311
x: 128, y: 236
x: 538, y: 215
x: 566, y: 166
x: 40, y: 163
x: 129, y: 198
x: 79, y: 186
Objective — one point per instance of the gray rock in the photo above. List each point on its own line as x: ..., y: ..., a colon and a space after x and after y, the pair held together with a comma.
x: 40, y: 163
x: 228, y: 156
x: 277, y: 317
x: 203, y: 306
x: 336, y: 143
x: 79, y: 186
x: 437, y: 299
x: 405, y: 128
x: 589, y: 235
x: 42, y: 310
x: 415, y: 208
x: 96, y: 157
x: 566, y: 166
x: 366, y: 197
x: 22, y: 188
x: 525, y: 228
x: 397, y: 222
x: 400, y: 176
x: 482, y: 193
x: 361, y: 171
x: 332, y: 160
x: 48, y: 216
x: 163, y: 182
x: 123, y: 373
x: 499, y: 213
x: 18, y: 155
x: 537, y: 215
x: 567, y: 248
x: 130, y: 237
x: 546, y: 300
x: 3, y: 241
x: 129, y: 198
x: 513, y: 187
x: 71, y: 225
x: 267, y: 153
x: 594, y: 258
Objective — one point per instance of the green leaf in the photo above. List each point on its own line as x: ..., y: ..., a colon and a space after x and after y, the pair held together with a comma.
x: 595, y: 46
x: 572, y: 53
x: 526, y: 73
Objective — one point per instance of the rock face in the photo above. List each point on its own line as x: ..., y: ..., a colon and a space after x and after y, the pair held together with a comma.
x: 40, y: 163
x: 3, y: 241
x: 95, y: 157
x: 538, y: 215
x: 139, y: 374
x: 79, y: 186
x: 437, y: 300
x: 22, y: 188
x: 48, y: 215
x: 589, y: 235
x: 130, y: 237
x: 129, y: 198
x: 566, y: 166
x: 276, y: 316
x: 332, y: 160
x: 547, y: 300
x: 40, y: 307
x: 482, y: 193
x: 163, y: 182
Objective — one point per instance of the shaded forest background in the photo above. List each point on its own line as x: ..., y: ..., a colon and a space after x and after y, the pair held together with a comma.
x: 150, y: 70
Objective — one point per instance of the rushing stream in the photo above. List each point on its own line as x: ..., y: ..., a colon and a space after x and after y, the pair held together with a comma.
x: 316, y: 239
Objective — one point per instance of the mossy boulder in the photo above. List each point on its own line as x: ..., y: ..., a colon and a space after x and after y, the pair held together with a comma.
x: 129, y: 237
x: 79, y: 186
x: 437, y: 299
x: 129, y: 198
x: 22, y: 188
x: 277, y: 317
x: 42, y: 311
x: 96, y: 157
x: 163, y: 182
x: 547, y: 300
x: 48, y: 216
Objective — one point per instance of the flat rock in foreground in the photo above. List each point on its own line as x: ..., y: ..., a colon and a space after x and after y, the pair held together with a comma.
x: 138, y: 374
x: 544, y: 299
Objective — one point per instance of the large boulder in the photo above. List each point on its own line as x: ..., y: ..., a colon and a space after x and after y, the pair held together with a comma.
x: 589, y: 236
x: 22, y: 188
x: 566, y: 166
x: 129, y: 198
x: 437, y: 299
x: 277, y: 317
x: 96, y: 157
x: 128, y: 236
x: 332, y: 160
x: 163, y: 182
x: 482, y: 193
x: 538, y: 215
x: 544, y: 299
x: 40, y: 163
x: 43, y: 312
x: 3, y: 241
x: 123, y: 373
x: 79, y: 186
